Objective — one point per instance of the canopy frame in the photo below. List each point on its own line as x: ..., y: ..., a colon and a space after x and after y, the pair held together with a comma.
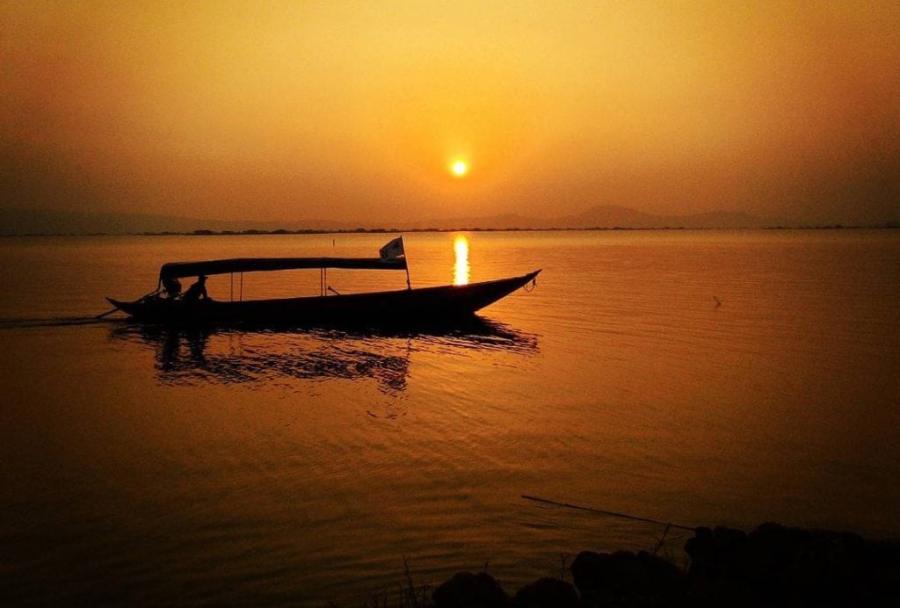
x: 178, y: 270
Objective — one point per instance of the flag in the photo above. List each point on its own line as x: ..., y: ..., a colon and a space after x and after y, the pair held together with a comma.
x: 393, y: 250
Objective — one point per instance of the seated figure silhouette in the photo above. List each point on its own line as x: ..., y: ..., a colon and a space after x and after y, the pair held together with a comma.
x: 171, y: 287
x: 197, y: 291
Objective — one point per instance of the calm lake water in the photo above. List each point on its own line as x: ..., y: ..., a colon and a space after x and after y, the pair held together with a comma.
x: 145, y: 466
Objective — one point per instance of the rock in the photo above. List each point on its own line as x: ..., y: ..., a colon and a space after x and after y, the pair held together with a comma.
x: 625, y: 578
x: 716, y: 554
x: 807, y: 565
x: 777, y: 565
x: 547, y: 593
x: 883, y: 570
x: 662, y: 574
x: 468, y: 590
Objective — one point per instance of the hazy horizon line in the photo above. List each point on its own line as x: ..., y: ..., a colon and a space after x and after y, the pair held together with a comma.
x: 387, y: 230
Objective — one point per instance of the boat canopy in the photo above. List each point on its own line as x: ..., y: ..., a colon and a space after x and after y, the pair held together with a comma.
x: 176, y: 270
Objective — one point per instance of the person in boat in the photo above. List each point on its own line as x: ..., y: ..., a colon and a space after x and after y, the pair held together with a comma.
x: 171, y: 287
x: 197, y: 291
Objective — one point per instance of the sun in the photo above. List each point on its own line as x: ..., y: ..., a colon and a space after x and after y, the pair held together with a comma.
x: 459, y: 168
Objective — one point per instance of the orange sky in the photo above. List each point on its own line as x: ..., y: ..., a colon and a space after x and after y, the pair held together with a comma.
x: 345, y: 110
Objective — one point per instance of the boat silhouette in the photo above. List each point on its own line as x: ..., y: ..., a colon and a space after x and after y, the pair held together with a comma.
x: 403, y: 307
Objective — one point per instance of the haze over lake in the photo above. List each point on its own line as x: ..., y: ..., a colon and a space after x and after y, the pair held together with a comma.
x: 711, y: 377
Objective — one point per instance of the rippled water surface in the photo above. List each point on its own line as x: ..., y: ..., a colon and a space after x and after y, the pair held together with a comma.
x: 694, y: 377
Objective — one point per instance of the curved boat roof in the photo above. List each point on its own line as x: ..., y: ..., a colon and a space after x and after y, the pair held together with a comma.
x: 175, y: 270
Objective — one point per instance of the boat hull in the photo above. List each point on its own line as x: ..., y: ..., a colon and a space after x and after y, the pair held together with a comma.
x: 408, y: 306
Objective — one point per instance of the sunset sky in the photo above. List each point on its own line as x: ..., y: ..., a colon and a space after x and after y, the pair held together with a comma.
x: 371, y: 111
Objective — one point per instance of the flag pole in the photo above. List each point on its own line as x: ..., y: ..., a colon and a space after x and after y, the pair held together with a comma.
x: 405, y: 263
x: 393, y: 252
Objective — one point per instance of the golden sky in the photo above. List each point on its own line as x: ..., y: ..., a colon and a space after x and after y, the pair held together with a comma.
x: 357, y: 110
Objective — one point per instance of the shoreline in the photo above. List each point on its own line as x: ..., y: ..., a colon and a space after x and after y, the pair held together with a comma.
x: 772, y: 565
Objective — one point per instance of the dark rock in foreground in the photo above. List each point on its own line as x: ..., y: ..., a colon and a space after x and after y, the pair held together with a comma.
x: 626, y: 579
x: 771, y: 566
x: 547, y: 593
x: 468, y: 590
x: 779, y: 566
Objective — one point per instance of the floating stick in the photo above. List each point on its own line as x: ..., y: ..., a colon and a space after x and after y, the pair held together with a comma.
x: 610, y: 513
x: 108, y: 312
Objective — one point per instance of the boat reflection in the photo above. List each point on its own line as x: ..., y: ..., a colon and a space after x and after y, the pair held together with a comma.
x: 231, y: 355
x: 461, y: 266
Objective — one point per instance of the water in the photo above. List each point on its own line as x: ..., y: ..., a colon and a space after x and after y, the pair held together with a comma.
x: 155, y: 467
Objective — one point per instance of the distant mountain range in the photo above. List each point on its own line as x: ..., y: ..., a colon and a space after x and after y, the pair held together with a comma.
x: 26, y: 221
x: 607, y: 216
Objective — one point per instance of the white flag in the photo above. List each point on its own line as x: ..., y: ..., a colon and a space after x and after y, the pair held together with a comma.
x: 393, y: 250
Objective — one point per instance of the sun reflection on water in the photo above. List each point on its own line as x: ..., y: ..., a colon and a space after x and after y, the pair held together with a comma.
x: 461, y: 261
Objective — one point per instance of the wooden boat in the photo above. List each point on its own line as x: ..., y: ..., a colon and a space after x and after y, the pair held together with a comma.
x: 407, y: 306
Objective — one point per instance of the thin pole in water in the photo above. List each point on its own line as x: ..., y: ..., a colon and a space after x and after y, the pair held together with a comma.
x: 105, y: 314
x: 610, y: 513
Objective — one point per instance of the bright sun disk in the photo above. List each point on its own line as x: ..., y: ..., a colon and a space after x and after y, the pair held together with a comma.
x: 459, y: 168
